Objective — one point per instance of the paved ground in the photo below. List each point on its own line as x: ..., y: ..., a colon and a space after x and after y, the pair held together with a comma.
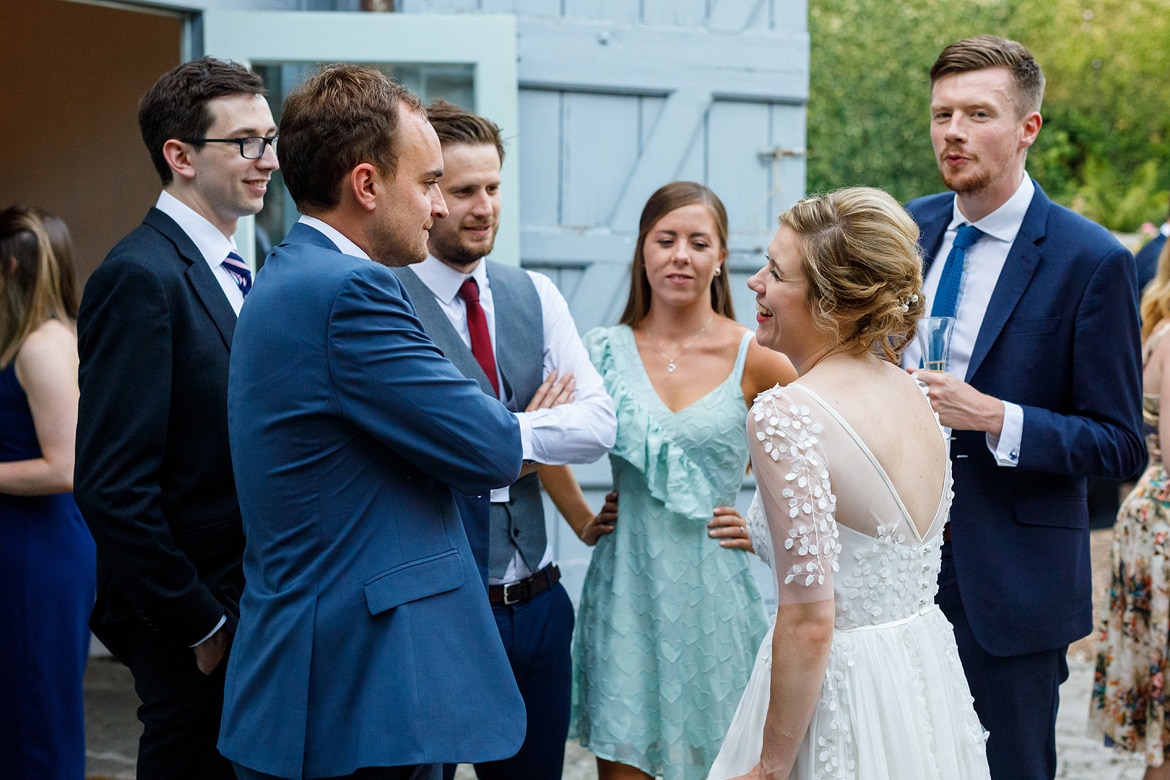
x: 113, y: 729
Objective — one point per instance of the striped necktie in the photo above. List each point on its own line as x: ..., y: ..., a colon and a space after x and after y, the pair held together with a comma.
x: 235, y: 265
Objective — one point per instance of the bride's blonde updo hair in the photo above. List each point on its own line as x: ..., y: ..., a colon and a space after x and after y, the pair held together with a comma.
x: 860, y: 255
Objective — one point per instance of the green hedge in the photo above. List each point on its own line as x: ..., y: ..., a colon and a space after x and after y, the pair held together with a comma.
x: 1105, y: 146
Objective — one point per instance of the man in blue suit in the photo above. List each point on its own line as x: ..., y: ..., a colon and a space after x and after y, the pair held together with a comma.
x: 1042, y: 391
x: 366, y: 646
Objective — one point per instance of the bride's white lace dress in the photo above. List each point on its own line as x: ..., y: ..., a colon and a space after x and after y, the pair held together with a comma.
x: 826, y: 518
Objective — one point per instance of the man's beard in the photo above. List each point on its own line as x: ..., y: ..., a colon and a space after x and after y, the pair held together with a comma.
x: 389, y: 249
x: 965, y: 183
x: 459, y: 254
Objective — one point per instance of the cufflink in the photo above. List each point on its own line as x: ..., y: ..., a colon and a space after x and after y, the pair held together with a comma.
x: 1014, y: 456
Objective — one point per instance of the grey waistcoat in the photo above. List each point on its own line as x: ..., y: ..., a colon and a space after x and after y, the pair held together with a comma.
x: 519, y: 346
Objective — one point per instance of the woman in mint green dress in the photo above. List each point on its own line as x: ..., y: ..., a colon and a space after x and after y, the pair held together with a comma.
x: 670, y: 615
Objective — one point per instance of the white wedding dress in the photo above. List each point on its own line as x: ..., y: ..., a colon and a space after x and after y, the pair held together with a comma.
x: 894, y: 703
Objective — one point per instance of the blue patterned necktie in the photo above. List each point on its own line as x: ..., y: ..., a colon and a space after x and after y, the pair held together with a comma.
x: 239, y: 270
x: 946, y: 297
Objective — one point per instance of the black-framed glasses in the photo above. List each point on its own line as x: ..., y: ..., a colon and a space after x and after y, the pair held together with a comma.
x: 251, y: 148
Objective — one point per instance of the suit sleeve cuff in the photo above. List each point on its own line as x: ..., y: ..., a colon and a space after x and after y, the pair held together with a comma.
x: 211, y: 633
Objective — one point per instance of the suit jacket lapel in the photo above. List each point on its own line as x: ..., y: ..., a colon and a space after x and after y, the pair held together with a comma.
x: 932, y: 227
x: 1017, y: 272
x: 198, y: 275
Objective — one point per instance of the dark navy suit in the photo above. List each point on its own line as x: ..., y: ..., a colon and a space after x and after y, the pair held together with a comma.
x: 1147, y: 260
x: 154, y: 482
x: 1060, y: 338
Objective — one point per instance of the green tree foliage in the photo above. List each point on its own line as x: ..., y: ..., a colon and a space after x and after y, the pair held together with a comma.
x: 1105, y: 146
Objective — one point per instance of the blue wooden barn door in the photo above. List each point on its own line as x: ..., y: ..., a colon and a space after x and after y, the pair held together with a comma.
x: 618, y: 97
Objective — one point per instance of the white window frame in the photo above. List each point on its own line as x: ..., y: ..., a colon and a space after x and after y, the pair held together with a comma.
x: 487, y: 42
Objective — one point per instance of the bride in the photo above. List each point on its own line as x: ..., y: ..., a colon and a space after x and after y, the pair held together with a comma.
x: 860, y: 677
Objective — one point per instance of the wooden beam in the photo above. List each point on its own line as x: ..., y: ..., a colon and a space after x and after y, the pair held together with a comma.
x: 733, y: 15
x: 560, y: 247
x: 662, y: 154
x: 633, y: 59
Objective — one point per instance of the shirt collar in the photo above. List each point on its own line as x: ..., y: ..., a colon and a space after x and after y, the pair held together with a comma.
x: 211, y: 243
x: 444, y: 281
x: 343, y: 244
x: 1003, y: 223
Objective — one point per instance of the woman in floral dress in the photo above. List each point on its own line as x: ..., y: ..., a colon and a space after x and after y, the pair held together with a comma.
x: 1129, y: 687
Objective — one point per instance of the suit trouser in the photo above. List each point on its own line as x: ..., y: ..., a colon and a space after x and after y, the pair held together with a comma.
x: 538, y: 636
x: 180, y: 707
x: 1016, y: 697
x: 419, y: 772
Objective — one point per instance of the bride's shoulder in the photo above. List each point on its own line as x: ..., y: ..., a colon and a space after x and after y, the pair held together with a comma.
x: 776, y: 394
x: 782, y: 408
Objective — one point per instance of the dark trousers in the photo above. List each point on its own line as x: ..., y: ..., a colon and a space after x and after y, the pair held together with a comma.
x: 537, y: 636
x: 1016, y: 697
x: 419, y: 772
x: 180, y: 708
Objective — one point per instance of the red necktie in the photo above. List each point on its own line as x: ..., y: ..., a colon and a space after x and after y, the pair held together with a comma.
x: 481, y: 340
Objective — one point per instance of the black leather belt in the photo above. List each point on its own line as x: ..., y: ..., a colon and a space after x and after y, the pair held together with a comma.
x: 520, y: 591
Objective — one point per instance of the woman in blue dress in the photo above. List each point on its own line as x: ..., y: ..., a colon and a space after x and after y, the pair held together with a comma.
x: 670, y: 611
x: 46, y: 552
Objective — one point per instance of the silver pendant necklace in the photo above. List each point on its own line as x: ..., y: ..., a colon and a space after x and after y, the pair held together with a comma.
x: 671, y: 367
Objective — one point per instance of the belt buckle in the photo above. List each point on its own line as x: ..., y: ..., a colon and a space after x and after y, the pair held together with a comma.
x: 519, y: 588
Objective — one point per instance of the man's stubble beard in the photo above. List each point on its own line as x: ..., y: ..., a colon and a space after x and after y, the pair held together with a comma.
x: 457, y: 254
x: 963, y: 183
x: 390, y: 252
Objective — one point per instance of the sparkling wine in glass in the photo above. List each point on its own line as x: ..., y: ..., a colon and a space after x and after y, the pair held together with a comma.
x: 934, y: 339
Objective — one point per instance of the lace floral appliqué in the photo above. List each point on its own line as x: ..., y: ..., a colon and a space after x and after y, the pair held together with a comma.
x: 789, y: 438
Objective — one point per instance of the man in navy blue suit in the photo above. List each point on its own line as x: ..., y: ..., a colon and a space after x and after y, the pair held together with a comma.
x: 154, y: 473
x: 366, y: 646
x: 1042, y: 392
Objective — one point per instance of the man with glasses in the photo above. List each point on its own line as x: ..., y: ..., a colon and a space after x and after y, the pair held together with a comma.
x: 153, y: 473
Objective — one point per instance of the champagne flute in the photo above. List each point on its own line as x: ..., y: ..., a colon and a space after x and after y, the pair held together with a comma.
x: 934, y: 339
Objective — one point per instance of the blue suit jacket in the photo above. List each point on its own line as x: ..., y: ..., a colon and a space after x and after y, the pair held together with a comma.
x: 365, y: 635
x: 1060, y: 338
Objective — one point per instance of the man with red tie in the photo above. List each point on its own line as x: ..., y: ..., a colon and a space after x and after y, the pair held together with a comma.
x: 511, y: 331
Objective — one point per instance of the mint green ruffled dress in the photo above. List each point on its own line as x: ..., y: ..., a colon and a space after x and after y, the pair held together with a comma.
x: 669, y: 621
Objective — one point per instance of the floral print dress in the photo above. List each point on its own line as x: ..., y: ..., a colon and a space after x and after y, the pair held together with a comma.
x: 1128, y: 703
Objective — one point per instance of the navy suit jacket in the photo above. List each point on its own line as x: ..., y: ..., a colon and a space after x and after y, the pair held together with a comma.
x: 365, y: 635
x: 1060, y: 338
x: 153, y: 475
x: 1147, y: 261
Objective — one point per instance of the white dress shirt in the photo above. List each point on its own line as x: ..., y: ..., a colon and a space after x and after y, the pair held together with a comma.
x: 577, y: 432
x: 983, y: 264
x: 211, y: 243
